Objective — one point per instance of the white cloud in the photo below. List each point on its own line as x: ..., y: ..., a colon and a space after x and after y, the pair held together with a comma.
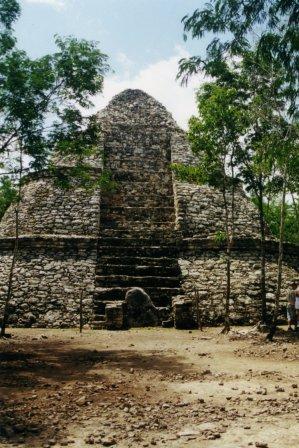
x: 158, y: 80
x: 57, y: 4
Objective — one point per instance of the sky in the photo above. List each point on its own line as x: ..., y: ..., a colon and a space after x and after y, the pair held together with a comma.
x: 143, y: 39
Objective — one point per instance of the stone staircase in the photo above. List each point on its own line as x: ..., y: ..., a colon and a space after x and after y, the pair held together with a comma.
x: 138, y: 244
x: 131, y: 260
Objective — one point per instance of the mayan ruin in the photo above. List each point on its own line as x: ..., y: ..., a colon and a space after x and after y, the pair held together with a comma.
x: 149, y: 224
x: 154, y: 232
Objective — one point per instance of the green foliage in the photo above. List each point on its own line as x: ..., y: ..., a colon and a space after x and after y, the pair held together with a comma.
x: 220, y: 238
x: 186, y: 173
x: 41, y: 99
x: 107, y: 183
x: 8, y: 195
x: 82, y: 176
x: 9, y: 12
x: 270, y: 26
x: 215, y: 133
x: 272, y: 217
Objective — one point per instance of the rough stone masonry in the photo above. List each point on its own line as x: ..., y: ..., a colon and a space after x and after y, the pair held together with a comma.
x: 152, y: 232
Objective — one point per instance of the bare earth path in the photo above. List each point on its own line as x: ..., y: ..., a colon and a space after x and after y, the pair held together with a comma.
x: 148, y: 387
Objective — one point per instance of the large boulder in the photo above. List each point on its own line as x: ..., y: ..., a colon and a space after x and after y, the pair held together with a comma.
x: 140, y: 310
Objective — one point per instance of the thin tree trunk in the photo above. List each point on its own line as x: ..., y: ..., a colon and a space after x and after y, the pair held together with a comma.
x: 263, y: 258
x: 226, y: 327
x: 14, y: 256
x: 295, y: 206
x: 273, y: 327
x: 198, y: 313
x: 81, y: 311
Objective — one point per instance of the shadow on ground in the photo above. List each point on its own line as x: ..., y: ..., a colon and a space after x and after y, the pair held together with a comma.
x: 40, y: 382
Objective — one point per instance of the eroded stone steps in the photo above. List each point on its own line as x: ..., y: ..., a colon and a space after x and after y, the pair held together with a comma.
x: 134, y: 261
x: 138, y: 242
x: 137, y: 224
x: 141, y: 187
x: 142, y: 233
x: 138, y: 270
x: 146, y: 199
x: 143, y: 251
x: 141, y: 213
x: 134, y: 154
x: 161, y: 296
x: 160, y: 176
x: 150, y: 165
x: 142, y: 281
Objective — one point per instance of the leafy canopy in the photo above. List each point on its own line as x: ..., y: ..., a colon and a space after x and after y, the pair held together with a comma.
x: 269, y: 26
x: 8, y: 194
x: 41, y: 100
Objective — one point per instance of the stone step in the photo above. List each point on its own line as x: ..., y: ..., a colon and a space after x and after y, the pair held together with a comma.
x: 120, y: 138
x: 161, y: 296
x: 138, y: 225
x: 100, y: 317
x: 140, y: 213
x: 161, y: 176
x: 138, y: 270
x: 148, y: 165
x: 162, y: 234
x: 137, y: 200
x: 142, y: 186
x: 141, y: 281
x: 135, y: 151
x: 143, y: 261
x: 143, y: 251
x: 138, y: 242
x: 98, y: 325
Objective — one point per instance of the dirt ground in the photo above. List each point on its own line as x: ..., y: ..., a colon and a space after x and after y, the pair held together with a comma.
x: 149, y: 387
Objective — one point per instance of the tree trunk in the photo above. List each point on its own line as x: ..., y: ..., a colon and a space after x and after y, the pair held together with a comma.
x: 11, y: 273
x: 81, y: 312
x: 14, y: 256
x: 295, y: 206
x: 273, y: 327
x: 263, y: 259
x: 226, y: 327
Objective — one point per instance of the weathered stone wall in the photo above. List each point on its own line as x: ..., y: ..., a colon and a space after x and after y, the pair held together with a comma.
x: 180, y: 149
x: 47, y: 209
x: 201, y: 211
x: 137, y: 132
x: 200, y: 208
x: 50, y: 275
x: 204, y: 270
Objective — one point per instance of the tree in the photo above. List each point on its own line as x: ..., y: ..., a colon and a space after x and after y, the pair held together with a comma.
x: 271, y: 26
x: 272, y: 216
x: 263, y: 37
x: 287, y: 156
x: 263, y: 107
x: 267, y: 142
x: 41, y: 104
x: 8, y: 194
x: 215, y: 139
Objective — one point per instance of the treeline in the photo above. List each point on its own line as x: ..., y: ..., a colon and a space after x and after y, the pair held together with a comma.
x: 246, y: 130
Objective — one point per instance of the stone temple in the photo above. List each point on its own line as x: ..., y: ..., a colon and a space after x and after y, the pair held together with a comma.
x: 152, y: 232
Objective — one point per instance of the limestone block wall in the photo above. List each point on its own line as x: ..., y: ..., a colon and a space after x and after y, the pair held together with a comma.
x: 47, y: 209
x: 203, y: 269
x: 180, y: 149
x: 201, y: 211
x: 50, y: 274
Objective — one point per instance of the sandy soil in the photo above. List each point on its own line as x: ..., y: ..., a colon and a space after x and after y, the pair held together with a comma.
x: 148, y: 387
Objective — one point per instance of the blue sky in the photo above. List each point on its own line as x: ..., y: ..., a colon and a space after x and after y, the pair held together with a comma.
x: 143, y: 38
